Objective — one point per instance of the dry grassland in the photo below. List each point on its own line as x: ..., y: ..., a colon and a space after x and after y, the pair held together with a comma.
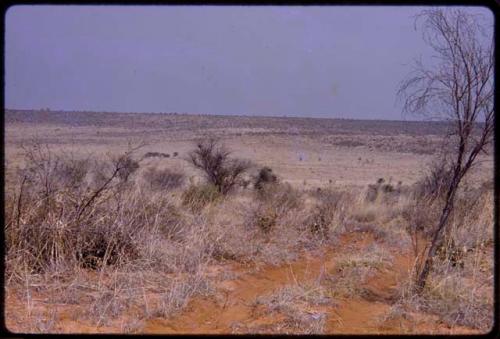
x: 150, y: 248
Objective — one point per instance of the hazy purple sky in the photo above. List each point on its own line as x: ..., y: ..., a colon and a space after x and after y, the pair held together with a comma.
x: 297, y: 61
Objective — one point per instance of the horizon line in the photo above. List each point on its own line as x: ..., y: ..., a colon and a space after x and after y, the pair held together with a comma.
x: 284, y: 116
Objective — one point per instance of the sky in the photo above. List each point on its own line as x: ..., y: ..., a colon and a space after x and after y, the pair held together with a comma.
x: 311, y: 61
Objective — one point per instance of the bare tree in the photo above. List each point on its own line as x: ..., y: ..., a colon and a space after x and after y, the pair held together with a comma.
x: 458, y: 87
x: 214, y: 160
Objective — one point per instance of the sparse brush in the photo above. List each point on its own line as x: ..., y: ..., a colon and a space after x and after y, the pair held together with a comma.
x: 292, y: 301
x: 472, y: 218
x: 198, y: 196
x: 106, y: 226
x: 274, y: 201
x: 166, y: 179
x: 328, y: 212
x: 435, y: 183
x: 365, y: 215
x: 352, y: 269
x: 387, y: 188
x: 453, y: 291
x: 67, y: 213
x: 62, y: 217
x: 284, y: 297
x: 266, y: 219
x: 127, y: 167
x: 176, y: 297
x: 378, y: 191
x: 420, y: 216
x: 284, y: 196
x: 453, y: 299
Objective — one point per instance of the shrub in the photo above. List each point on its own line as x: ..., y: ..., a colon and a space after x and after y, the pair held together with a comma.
x: 274, y: 202
x: 72, y: 172
x: 165, y: 179
x: 198, y: 196
x: 326, y: 209
x: 319, y: 224
x: 47, y: 172
x: 387, y: 188
x: 420, y: 217
x: 127, y: 167
x: 156, y: 155
x: 372, y: 193
x: 213, y: 159
x: 374, y: 190
x: 283, y: 196
x: 265, y: 176
x: 58, y: 219
x: 55, y: 208
x: 266, y: 219
x: 175, y: 154
x: 435, y: 182
x: 100, y: 245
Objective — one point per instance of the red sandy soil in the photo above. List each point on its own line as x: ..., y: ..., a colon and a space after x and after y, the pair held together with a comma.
x: 234, y: 312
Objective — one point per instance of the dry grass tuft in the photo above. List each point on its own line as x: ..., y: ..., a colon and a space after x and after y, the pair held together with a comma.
x: 163, y: 180
x: 198, y: 196
x: 295, y: 302
x: 352, y: 270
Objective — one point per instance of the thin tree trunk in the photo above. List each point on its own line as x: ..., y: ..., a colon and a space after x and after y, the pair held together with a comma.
x: 437, y: 237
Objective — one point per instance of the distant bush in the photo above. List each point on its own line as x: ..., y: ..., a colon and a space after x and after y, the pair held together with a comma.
x: 175, y: 154
x: 372, y: 192
x: 265, y: 176
x: 387, y: 188
x: 198, y: 196
x: 214, y: 160
x: 163, y: 179
x: 156, y: 155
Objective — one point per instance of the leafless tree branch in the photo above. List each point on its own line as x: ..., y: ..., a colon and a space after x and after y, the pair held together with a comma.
x: 458, y: 89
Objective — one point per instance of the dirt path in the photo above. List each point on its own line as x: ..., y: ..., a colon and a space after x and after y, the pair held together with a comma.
x: 232, y: 310
x: 235, y: 314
